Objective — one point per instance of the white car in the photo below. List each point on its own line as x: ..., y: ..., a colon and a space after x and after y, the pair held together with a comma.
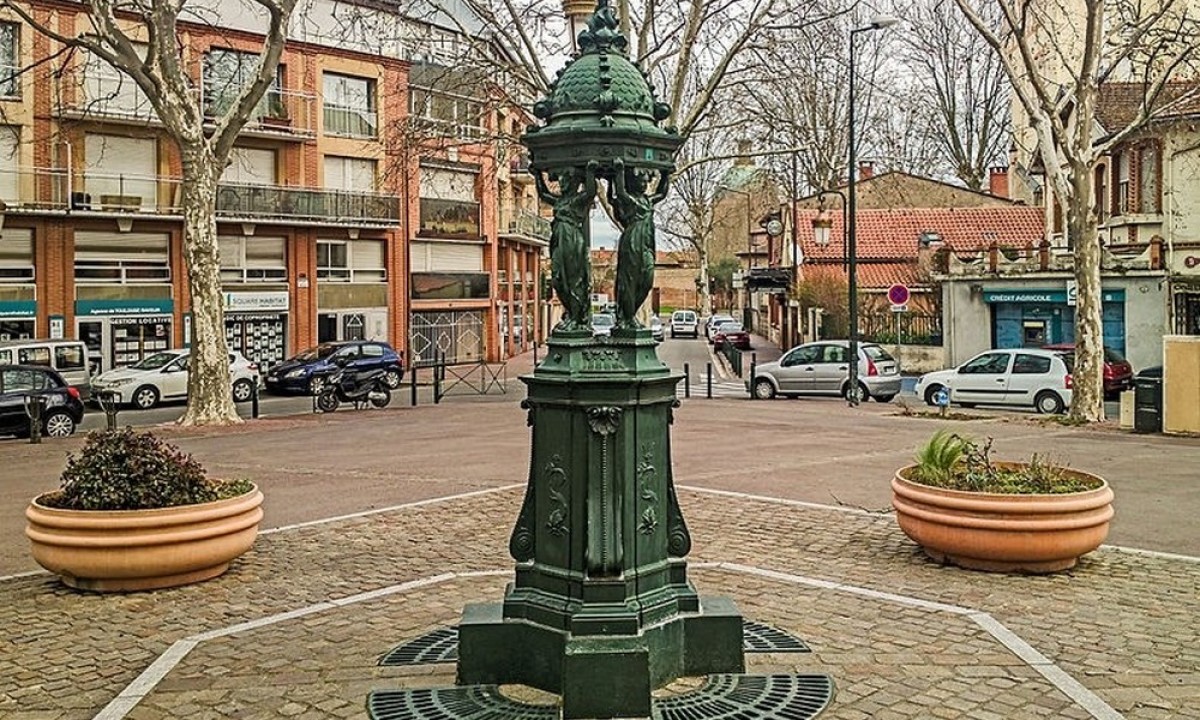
x: 602, y: 324
x: 685, y: 322
x: 1037, y: 378
x: 164, y: 376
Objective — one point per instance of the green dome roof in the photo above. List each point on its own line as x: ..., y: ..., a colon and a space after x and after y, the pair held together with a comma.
x: 602, y: 81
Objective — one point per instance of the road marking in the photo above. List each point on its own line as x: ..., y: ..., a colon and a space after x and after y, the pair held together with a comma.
x: 146, y: 682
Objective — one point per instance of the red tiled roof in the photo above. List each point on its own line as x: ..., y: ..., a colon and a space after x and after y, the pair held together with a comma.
x: 895, y: 234
x: 1117, y: 103
x: 871, y: 275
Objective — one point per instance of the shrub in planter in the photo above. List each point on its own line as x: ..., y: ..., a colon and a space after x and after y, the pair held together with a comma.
x: 135, y: 513
x: 965, y: 508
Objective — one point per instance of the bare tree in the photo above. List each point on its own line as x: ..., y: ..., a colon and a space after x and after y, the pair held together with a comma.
x: 142, y: 42
x: 968, y: 118
x: 1058, y: 55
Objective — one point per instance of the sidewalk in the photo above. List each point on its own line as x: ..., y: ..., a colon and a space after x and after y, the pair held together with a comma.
x: 297, y: 627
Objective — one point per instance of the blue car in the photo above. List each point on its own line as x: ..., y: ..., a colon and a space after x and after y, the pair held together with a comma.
x: 305, y: 373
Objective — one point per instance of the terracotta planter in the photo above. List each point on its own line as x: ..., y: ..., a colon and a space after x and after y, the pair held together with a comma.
x: 122, y: 550
x: 1001, y: 532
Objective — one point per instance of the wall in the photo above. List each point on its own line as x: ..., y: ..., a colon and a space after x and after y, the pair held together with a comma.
x: 1181, y: 389
x: 967, y: 319
x: 917, y: 359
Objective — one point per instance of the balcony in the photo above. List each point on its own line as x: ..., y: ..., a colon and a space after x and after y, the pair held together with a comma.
x: 516, y: 221
x: 996, y: 261
x: 769, y: 279
x: 280, y: 113
x: 346, y: 121
x: 52, y: 189
x: 102, y: 93
x: 449, y: 218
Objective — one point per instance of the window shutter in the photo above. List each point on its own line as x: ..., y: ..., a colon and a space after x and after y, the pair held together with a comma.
x: 418, y: 257
x: 366, y: 254
x: 441, y: 184
x: 250, y: 166
x: 147, y: 247
x: 455, y: 258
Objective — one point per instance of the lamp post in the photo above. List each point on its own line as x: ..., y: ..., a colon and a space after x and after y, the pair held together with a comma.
x: 852, y: 394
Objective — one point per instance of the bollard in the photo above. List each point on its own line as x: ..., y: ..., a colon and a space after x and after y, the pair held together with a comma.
x: 108, y: 403
x: 34, y: 405
x: 254, y: 399
x: 413, y: 382
x: 753, y: 366
x: 535, y: 354
x: 438, y: 369
x: 687, y: 380
x: 708, y: 391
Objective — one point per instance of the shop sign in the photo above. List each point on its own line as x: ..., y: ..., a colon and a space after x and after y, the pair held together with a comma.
x: 255, y: 301
x: 1063, y: 297
x: 165, y: 306
x: 18, y: 308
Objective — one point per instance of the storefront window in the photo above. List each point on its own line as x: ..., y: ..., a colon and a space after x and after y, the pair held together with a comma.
x: 16, y: 250
x: 15, y: 330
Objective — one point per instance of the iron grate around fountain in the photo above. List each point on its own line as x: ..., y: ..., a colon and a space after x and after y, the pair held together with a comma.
x: 760, y: 638
x: 722, y: 697
x: 439, y: 646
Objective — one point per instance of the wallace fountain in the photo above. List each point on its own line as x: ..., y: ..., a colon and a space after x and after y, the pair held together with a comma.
x: 600, y: 612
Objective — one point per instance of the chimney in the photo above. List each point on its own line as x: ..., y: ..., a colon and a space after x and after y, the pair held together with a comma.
x: 743, y: 154
x: 866, y: 169
x: 998, y: 181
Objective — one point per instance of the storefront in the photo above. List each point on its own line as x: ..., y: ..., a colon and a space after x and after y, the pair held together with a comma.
x: 122, y: 332
x: 18, y: 319
x: 1036, y: 317
x: 18, y: 306
x: 351, y: 290
x: 256, y: 325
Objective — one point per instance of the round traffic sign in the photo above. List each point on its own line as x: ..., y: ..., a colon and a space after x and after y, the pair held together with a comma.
x: 898, y: 295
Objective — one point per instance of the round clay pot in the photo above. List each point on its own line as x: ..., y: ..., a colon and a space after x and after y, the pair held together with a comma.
x: 1003, y: 532
x: 123, y: 550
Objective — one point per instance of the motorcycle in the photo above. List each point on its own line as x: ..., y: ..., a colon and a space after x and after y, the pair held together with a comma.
x: 361, y: 388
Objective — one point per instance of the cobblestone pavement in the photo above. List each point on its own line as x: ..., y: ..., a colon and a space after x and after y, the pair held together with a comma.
x: 1121, y: 625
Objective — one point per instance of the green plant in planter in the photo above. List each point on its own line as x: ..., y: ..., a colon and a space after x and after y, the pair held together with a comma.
x: 955, y: 462
x: 125, y: 470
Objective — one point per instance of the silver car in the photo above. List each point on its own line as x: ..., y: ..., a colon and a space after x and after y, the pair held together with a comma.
x: 823, y: 368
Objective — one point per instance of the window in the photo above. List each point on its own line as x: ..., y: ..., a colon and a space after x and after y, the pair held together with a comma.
x: 34, y: 356
x: 122, y: 258
x: 108, y: 91
x: 989, y: 364
x: 1030, y: 365
x: 250, y: 166
x: 1149, y: 200
x: 372, y: 351
x: 455, y: 114
x: 16, y: 255
x: 1100, y: 187
x: 24, y: 381
x: 359, y: 261
x: 831, y: 353
x: 252, y: 259
x: 349, y: 106
x: 10, y: 60
x: 120, y: 173
x: 1121, y: 201
x: 803, y: 356
x: 226, y: 72
x: 10, y: 157
x: 347, y: 173
x: 69, y: 357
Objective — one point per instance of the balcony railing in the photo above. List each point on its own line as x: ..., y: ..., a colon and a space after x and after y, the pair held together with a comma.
x: 52, y: 189
x: 526, y: 223
x: 350, y: 121
x: 449, y: 217
x: 280, y: 112
x: 90, y: 91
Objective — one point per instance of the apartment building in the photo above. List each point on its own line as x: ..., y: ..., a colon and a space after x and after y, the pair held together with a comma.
x: 334, y: 220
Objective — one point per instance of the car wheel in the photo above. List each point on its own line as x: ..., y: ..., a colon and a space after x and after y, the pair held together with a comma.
x: 931, y: 394
x: 764, y: 389
x: 315, y: 385
x: 59, y: 424
x: 884, y: 398
x: 242, y: 390
x: 145, y: 397
x: 392, y: 378
x: 863, y: 395
x: 1048, y: 402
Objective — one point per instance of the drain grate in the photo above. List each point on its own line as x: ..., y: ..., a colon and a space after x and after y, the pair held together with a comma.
x: 723, y: 697
x: 469, y: 702
x: 760, y: 638
x: 439, y: 646
x: 750, y: 697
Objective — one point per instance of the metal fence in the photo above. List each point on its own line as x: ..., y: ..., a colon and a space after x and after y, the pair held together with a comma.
x: 453, y: 336
x: 905, y: 328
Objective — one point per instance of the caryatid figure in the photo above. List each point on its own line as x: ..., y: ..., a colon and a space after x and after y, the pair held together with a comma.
x: 570, y: 267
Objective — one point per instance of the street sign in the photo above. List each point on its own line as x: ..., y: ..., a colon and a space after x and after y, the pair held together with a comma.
x: 899, y: 308
x: 898, y: 295
x: 1072, y: 292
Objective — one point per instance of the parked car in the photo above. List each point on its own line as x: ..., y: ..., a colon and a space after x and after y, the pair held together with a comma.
x: 734, y: 333
x: 602, y: 324
x: 656, y: 328
x: 713, y: 322
x: 1028, y: 377
x: 823, y: 368
x: 68, y: 357
x: 64, y: 406
x: 1118, y: 373
x: 306, y: 371
x: 685, y: 322
x: 164, y: 376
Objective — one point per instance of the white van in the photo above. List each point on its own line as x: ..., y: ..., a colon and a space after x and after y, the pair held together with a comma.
x: 685, y: 322
x: 68, y: 357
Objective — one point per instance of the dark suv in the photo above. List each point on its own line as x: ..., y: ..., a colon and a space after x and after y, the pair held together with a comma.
x: 306, y: 372
x: 63, y: 410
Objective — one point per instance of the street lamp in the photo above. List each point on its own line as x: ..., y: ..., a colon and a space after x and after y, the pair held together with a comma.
x: 852, y: 394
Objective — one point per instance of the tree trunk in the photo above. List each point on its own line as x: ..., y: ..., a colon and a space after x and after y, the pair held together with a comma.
x: 1088, y: 376
x: 210, y: 392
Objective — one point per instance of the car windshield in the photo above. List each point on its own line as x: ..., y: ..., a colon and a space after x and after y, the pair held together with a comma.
x: 684, y: 317
x: 320, y: 352
x: 730, y: 327
x: 721, y: 319
x: 155, y: 361
x: 602, y: 320
x: 877, y: 353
